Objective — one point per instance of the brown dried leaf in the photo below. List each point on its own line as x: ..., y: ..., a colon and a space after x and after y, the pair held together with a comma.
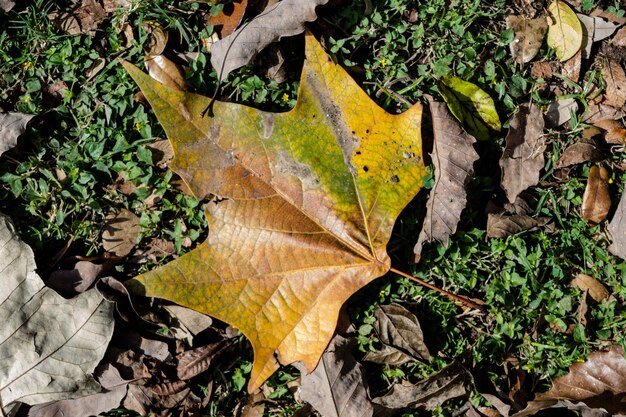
x: 195, y: 361
x: 595, y: 29
x: 596, y: 112
x: 529, y: 35
x: 542, y: 70
x: 523, y: 159
x: 596, y: 289
x: 337, y: 387
x: 398, y: 327
x: 431, y: 392
x: 162, y: 153
x: 600, y: 382
x: 121, y: 232
x: 579, y: 153
x: 12, y: 125
x: 65, y: 22
x: 165, y: 71
x: 388, y: 355
x: 192, y: 320
x: 83, y: 19
x: 453, y: 157
x: 75, y: 281
x: 229, y: 18
x: 157, y: 38
x: 285, y: 18
x: 617, y: 229
x: 6, y: 5
x: 571, y: 67
x: 501, y: 225
x: 620, y: 38
x: 614, y: 131
x: 560, y: 111
x: 615, y: 79
x: 596, y: 199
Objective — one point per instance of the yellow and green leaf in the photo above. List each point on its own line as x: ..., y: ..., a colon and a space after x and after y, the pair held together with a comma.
x: 565, y: 32
x: 472, y: 106
x: 304, y: 205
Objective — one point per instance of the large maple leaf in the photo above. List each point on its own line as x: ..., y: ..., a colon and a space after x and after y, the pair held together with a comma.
x: 304, y: 205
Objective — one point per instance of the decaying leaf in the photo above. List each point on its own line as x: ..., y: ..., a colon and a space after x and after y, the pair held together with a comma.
x: 578, y: 153
x: 165, y: 71
x: 596, y: 199
x: 595, y: 30
x: 565, y: 32
x: 84, y: 18
x: 306, y: 204
x: 226, y: 21
x: 388, y: 355
x: 529, y: 34
x: 194, y: 322
x: 620, y: 38
x: 398, y: 327
x: 337, y: 387
x: 600, y: 382
x: 12, y: 125
x: 49, y: 346
x: 157, y: 37
x: 431, y: 392
x: 121, y: 232
x: 285, y: 18
x: 614, y: 131
x: 615, y: 79
x: 501, y: 225
x: 595, y: 288
x: 617, y: 229
x: 6, y: 5
x: 453, y: 157
x: 70, y: 282
x: 596, y: 112
x: 195, y: 361
x: 89, y: 405
x: 522, y: 159
x: 473, y: 107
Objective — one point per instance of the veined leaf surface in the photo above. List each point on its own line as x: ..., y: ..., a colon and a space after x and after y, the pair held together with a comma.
x: 305, y: 202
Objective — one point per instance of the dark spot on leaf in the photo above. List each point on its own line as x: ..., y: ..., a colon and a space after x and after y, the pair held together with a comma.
x: 358, y: 152
x: 367, y: 131
x: 394, y: 179
x: 365, y: 168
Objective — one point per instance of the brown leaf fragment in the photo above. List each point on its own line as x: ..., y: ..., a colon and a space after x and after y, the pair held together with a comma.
x: 75, y: 281
x: 83, y: 19
x: 65, y: 22
x: 229, y: 18
x: 121, y: 232
x: 6, y: 5
x: 596, y: 199
x: 617, y: 229
x: 542, y: 69
x: 165, y: 71
x: 398, y: 327
x: 285, y: 18
x: 501, y: 225
x: 614, y: 131
x: 53, y: 93
x: 595, y: 29
x: 337, y: 387
x: 571, y: 67
x: 12, y: 125
x: 578, y: 153
x: 595, y: 288
x: 154, y: 250
x: 600, y: 111
x: 560, y: 111
x: 522, y: 159
x: 620, y: 38
x: 157, y: 38
x: 529, y: 35
x: 162, y: 153
x: 600, y: 382
x: 89, y: 405
x: 111, y: 6
x: 388, y: 355
x: 432, y: 392
x: 195, y: 361
x: 615, y: 79
x: 192, y: 320
x: 453, y: 157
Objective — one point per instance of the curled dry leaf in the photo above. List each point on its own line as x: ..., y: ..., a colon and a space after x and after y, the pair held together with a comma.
x: 595, y: 30
x: 314, y: 214
x: 432, y: 392
x: 398, y: 327
x: 12, y: 125
x: 50, y: 346
x: 614, y: 131
x: 529, y: 34
x: 615, y: 78
x: 157, y: 37
x: 522, y: 159
x: 596, y: 199
x: 578, y: 153
x: 337, y: 387
x: 600, y: 382
x: 617, y: 229
x: 502, y: 225
x: 595, y: 288
x: 472, y: 106
x: 453, y: 157
x: 121, y: 232
x: 565, y: 32
x: 285, y: 18
x: 599, y: 111
x: 165, y: 71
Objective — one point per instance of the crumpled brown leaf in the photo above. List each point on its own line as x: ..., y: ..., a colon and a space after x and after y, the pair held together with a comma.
x: 502, y: 225
x: 595, y: 30
x: 615, y: 79
x: 617, y: 229
x: 121, y: 232
x: 83, y: 19
x: 229, y: 18
x: 398, y: 327
x: 285, y: 18
x: 6, y: 5
x: 12, y: 125
x: 522, y: 159
x: 578, y: 153
x: 453, y: 157
x: 595, y: 288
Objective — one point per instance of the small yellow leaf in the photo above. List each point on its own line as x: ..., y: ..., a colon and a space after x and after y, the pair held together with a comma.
x: 565, y: 33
